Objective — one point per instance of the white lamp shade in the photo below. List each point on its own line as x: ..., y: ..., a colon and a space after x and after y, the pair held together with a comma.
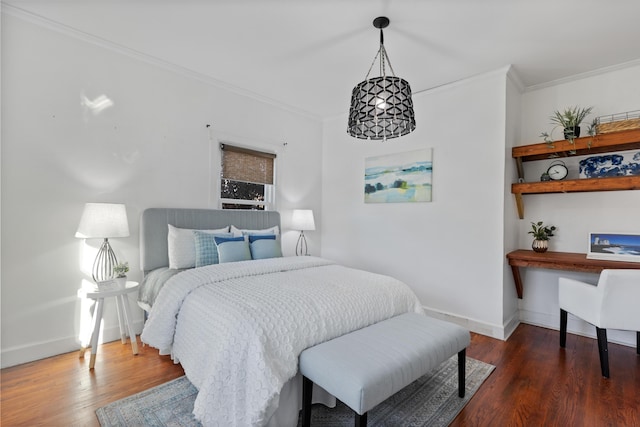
x: 303, y: 220
x: 103, y: 220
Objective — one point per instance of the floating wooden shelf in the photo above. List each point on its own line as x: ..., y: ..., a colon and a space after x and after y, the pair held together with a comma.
x: 603, y: 143
x: 615, y: 183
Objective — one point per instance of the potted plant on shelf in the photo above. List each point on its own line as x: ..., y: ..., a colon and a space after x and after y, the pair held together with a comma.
x: 541, y: 234
x: 569, y: 120
x: 120, y: 271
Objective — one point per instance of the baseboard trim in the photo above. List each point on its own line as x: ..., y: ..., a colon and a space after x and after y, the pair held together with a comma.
x: 576, y: 326
x: 479, y: 327
x: 511, y: 325
x: 41, y: 350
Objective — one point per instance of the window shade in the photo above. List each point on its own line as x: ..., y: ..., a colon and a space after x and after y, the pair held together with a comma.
x: 243, y: 164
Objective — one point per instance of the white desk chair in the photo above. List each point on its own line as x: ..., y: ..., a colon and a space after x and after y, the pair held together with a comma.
x: 613, y: 304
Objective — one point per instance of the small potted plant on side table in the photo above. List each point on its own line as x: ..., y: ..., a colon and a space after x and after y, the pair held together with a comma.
x: 541, y: 234
x: 120, y: 271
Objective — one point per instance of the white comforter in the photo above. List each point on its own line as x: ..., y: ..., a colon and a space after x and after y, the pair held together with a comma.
x: 238, y: 328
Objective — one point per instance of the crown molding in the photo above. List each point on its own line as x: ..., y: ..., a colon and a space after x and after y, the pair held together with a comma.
x: 149, y: 59
x: 587, y: 74
x: 514, y: 77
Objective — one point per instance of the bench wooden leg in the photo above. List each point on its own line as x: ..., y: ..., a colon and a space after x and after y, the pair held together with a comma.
x: 307, y: 391
x: 361, y: 420
x: 462, y: 365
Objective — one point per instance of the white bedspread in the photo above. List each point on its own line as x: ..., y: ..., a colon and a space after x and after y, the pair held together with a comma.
x: 238, y: 328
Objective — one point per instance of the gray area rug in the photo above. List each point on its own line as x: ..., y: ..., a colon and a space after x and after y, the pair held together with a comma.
x: 430, y: 401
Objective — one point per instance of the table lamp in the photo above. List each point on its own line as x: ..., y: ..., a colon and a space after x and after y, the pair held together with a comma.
x: 103, y: 220
x: 302, y: 220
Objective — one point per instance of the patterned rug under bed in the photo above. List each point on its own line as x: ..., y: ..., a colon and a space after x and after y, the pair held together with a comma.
x: 430, y: 401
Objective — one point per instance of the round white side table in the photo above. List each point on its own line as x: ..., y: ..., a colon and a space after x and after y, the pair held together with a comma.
x: 124, y: 315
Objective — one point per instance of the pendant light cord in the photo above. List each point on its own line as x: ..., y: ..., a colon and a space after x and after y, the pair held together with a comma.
x: 384, y: 59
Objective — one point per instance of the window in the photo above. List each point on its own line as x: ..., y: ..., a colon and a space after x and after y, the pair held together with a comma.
x: 246, y: 178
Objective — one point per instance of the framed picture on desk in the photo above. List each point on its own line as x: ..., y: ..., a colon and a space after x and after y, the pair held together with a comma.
x: 614, y: 246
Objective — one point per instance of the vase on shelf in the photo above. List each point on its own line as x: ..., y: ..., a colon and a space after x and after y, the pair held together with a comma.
x: 540, y: 245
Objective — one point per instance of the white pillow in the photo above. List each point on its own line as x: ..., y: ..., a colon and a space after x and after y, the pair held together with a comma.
x: 182, y: 246
x: 237, y: 232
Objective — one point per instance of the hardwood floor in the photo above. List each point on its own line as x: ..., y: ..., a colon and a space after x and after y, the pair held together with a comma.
x: 62, y: 391
x: 535, y: 383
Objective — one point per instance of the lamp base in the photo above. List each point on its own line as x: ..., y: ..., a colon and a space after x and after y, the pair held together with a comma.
x: 104, y: 263
x: 301, y: 245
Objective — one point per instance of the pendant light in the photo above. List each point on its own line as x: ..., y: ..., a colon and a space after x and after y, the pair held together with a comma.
x: 381, y: 107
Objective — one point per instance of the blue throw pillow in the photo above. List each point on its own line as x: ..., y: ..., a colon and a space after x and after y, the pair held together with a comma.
x: 206, y: 249
x: 227, y: 238
x: 264, y: 246
x: 232, y: 249
x: 254, y: 237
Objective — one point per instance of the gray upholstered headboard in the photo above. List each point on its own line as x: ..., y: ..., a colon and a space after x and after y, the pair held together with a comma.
x: 154, y: 229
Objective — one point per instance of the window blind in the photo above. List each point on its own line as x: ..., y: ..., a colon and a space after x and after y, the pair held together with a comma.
x: 243, y: 164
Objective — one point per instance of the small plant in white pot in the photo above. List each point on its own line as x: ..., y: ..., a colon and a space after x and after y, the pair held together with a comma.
x: 541, y: 234
x: 120, y: 271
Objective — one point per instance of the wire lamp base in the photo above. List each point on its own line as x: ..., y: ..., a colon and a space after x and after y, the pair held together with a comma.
x: 301, y: 246
x: 104, y: 263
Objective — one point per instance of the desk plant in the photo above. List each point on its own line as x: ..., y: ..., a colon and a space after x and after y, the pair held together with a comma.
x: 541, y: 234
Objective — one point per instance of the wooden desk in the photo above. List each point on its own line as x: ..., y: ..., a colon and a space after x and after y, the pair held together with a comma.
x: 568, y: 261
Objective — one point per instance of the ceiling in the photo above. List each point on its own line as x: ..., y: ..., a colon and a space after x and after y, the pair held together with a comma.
x: 308, y: 55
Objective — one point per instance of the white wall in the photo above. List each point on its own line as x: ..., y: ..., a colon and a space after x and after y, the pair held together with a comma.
x: 449, y: 251
x: 513, y: 102
x: 151, y: 149
x: 575, y: 214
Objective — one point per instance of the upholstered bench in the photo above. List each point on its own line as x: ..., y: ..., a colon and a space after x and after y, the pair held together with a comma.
x: 365, y: 367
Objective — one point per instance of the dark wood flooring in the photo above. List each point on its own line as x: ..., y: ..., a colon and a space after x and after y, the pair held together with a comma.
x: 535, y: 384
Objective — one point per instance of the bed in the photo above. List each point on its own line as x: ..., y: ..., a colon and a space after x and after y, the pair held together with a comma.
x: 238, y: 327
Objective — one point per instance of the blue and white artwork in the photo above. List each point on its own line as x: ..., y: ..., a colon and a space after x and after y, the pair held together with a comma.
x: 620, y: 164
x: 398, y: 178
x: 621, y: 247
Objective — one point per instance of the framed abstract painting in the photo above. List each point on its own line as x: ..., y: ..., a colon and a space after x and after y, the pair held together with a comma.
x: 398, y: 178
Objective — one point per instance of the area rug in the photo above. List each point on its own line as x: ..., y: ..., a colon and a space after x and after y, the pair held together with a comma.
x: 429, y: 401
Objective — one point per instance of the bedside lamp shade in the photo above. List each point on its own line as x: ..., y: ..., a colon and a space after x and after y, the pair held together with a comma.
x: 103, y: 220
x: 302, y: 220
